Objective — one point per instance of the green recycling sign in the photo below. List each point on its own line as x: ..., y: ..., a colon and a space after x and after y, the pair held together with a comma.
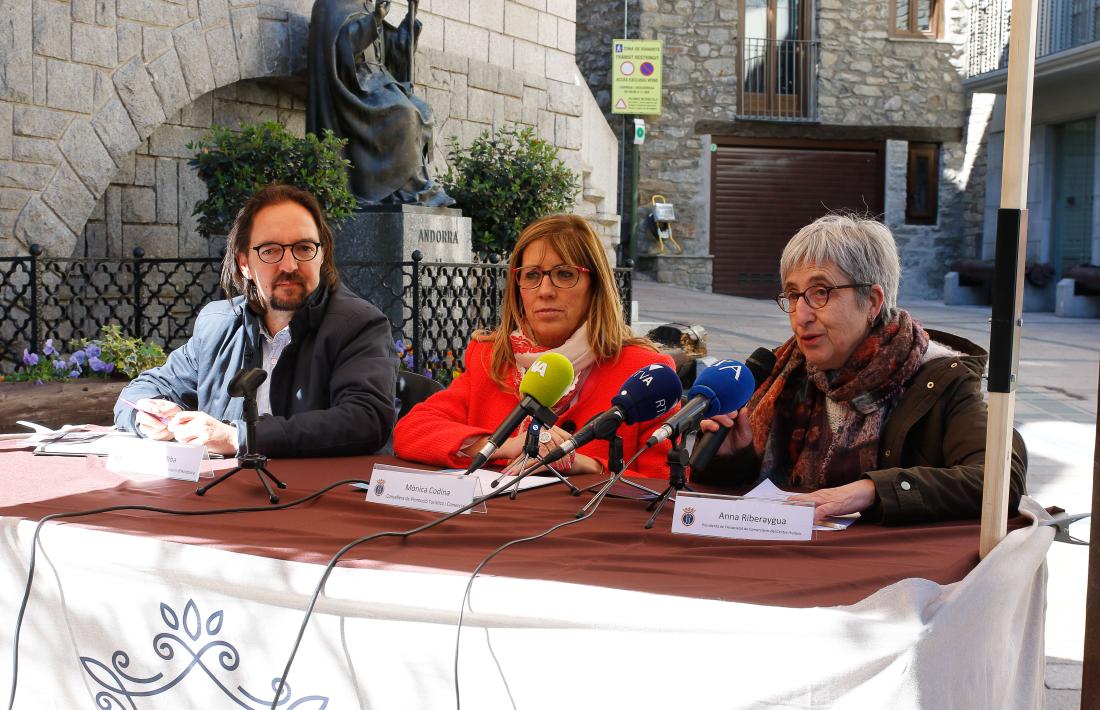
x: 636, y: 76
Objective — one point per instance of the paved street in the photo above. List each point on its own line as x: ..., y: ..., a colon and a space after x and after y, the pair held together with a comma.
x: 1056, y: 405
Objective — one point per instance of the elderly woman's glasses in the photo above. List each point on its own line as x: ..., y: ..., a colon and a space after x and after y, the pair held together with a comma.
x: 816, y: 296
x: 562, y: 275
x: 301, y: 251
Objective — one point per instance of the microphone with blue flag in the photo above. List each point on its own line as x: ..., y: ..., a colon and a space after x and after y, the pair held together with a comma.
x: 723, y: 387
x: 649, y: 393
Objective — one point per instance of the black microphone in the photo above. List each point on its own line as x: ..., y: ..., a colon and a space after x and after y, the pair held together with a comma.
x: 246, y: 382
x: 647, y: 394
x: 760, y: 364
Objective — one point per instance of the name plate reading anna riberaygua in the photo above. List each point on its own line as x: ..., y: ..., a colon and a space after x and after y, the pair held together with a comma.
x: 742, y: 518
x: 441, y: 492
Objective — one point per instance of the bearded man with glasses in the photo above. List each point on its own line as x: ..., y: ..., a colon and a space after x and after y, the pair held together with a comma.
x: 864, y: 408
x: 328, y: 353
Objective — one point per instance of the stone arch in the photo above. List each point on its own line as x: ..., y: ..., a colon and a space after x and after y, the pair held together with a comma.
x: 196, y: 48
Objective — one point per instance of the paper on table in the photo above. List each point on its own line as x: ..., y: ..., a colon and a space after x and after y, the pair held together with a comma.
x: 768, y: 490
x: 81, y: 443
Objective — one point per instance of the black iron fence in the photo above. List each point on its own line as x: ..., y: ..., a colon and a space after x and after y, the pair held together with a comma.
x: 433, y: 307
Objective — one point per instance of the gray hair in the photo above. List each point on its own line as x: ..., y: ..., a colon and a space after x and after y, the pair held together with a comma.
x: 862, y: 248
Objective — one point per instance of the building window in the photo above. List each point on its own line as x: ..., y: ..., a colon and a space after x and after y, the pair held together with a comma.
x: 922, y: 183
x: 916, y: 18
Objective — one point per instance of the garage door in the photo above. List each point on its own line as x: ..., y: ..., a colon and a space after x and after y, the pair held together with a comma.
x: 762, y: 192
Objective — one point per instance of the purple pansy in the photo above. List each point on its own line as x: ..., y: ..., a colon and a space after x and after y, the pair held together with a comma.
x: 96, y: 364
x: 78, y: 358
x: 75, y: 373
x: 48, y: 348
x: 29, y: 358
x: 93, y: 350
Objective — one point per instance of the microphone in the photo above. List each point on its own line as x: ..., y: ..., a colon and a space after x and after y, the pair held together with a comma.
x: 760, y: 364
x: 246, y: 382
x: 542, y: 386
x: 647, y: 394
x: 723, y: 387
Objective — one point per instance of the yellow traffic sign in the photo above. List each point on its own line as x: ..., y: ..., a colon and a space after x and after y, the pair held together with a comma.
x: 636, y: 76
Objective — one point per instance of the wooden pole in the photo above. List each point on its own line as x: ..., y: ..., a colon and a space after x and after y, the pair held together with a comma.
x: 1004, y: 337
x: 1090, y: 668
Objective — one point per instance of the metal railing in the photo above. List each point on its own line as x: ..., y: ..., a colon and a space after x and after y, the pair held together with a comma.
x: 777, y: 79
x: 433, y: 307
x: 1061, y: 25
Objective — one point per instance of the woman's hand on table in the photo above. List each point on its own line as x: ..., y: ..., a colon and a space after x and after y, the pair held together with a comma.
x: 850, y: 498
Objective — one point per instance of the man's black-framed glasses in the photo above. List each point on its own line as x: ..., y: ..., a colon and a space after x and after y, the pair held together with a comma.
x: 562, y: 275
x: 272, y: 253
x: 816, y: 296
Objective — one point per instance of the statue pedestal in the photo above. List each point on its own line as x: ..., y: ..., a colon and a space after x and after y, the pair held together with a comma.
x: 388, y: 235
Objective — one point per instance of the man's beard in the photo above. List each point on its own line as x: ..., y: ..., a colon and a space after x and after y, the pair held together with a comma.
x: 293, y: 303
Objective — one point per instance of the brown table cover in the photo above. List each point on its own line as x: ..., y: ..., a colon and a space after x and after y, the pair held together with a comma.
x: 612, y: 549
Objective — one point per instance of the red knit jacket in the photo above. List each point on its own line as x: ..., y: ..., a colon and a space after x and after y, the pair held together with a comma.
x: 474, y: 405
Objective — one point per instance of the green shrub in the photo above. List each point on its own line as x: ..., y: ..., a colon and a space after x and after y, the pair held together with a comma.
x: 235, y: 165
x: 505, y: 181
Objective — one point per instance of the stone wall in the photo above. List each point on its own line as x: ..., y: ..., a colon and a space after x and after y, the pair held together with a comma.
x: 869, y: 85
x: 150, y: 200
x: 98, y: 96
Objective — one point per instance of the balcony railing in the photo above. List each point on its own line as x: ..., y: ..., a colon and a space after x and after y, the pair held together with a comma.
x: 777, y: 80
x: 1062, y: 25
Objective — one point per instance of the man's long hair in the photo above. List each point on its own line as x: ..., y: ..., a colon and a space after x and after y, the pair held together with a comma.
x: 239, y: 241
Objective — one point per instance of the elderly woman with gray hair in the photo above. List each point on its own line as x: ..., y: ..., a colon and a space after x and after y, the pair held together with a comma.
x: 865, y: 408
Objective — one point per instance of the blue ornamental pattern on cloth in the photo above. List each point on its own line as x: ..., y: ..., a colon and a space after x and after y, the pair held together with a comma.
x: 191, y: 637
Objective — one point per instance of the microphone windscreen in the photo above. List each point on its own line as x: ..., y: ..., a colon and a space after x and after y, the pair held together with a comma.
x: 547, y: 379
x: 727, y: 384
x: 649, y: 393
x: 760, y: 364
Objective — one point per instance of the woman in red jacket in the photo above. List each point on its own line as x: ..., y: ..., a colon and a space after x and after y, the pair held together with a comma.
x: 562, y: 299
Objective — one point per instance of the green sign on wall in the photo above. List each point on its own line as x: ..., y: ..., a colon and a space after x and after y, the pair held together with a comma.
x: 636, y: 76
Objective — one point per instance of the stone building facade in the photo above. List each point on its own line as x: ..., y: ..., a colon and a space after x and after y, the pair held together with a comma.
x: 98, y: 99
x: 866, y: 84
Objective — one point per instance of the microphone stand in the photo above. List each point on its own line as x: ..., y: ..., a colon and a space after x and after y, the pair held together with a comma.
x: 249, y: 460
x: 531, y: 451
x: 677, y: 478
x: 614, y: 467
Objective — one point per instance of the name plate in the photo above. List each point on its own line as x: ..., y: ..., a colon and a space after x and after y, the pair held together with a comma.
x: 423, y: 490
x: 742, y: 518
x: 162, y: 459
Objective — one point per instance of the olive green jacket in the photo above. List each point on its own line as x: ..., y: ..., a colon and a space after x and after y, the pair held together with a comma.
x: 932, y: 448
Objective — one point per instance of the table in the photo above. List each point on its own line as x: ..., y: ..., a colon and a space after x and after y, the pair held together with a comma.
x: 171, y: 612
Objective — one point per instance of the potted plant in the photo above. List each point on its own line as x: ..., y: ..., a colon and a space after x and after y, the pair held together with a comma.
x: 53, y: 388
x: 236, y: 164
x: 506, y: 180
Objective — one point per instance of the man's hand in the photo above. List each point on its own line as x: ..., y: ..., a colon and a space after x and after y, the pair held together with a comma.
x: 201, y: 429
x: 154, y: 417
x: 740, y: 434
x: 850, y: 498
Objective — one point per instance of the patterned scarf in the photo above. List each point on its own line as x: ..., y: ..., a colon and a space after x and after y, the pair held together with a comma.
x: 576, y: 349
x: 790, y: 422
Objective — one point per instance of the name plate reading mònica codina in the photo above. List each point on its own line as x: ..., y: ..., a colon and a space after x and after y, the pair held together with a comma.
x: 742, y: 518
x: 423, y: 490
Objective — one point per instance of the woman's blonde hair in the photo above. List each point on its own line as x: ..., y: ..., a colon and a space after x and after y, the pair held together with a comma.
x: 577, y: 244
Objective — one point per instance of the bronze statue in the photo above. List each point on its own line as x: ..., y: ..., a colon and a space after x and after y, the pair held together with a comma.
x: 360, y: 87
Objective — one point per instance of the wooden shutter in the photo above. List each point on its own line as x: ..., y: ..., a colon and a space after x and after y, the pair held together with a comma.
x: 765, y: 191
